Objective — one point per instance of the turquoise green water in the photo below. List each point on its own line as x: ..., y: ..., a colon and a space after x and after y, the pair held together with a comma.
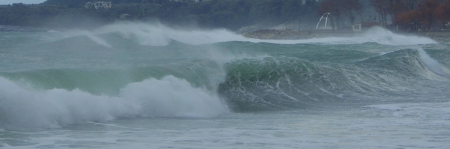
x: 146, y: 85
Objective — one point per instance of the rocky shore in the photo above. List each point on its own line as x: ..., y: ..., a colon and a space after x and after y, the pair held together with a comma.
x: 441, y: 37
x: 444, y: 40
x: 290, y: 34
x: 277, y: 34
x: 272, y: 34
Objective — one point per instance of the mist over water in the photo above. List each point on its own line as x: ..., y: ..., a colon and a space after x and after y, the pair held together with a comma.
x: 386, y: 37
x: 156, y: 34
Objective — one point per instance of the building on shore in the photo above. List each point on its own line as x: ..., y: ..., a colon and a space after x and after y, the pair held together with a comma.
x: 89, y: 5
x: 98, y: 5
x: 304, y: 2
x: 364, y: 25
x: 195, y: 1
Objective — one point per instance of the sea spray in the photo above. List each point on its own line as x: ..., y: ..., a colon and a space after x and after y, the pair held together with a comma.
x: 432, y: 64
x: 22, y: 108
x: 373, y: 35
x: 173, y: 97
x: 91, y: 36
x: 156, y: 34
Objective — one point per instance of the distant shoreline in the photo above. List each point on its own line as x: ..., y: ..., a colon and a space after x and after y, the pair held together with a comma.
x: 271, y: 34
x: 439, y: 36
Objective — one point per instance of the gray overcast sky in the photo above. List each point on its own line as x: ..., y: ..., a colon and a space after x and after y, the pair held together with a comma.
x: 4, y: 2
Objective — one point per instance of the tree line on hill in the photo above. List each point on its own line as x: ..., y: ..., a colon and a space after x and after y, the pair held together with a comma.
x: 404, y: 14
x: 428, y: 15
x: 230, y: 14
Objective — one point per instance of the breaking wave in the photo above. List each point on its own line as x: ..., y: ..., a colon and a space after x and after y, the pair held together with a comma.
x: 273, y: 83
x: 23, y: 108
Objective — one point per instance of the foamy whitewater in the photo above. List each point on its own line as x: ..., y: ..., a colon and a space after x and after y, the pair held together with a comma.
x: 140, y: 85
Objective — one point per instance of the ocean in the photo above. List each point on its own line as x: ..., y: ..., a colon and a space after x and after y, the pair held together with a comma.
x: 146, y: 85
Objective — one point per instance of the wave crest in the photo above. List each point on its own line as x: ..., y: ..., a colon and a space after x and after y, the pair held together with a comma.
x: 26, y: 109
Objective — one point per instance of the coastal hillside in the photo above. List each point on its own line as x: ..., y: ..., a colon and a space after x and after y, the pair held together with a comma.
x: 229, y: 14
x: 236, y: 15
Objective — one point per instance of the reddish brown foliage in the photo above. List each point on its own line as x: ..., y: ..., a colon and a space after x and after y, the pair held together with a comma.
x: 329, y: 6
x: 406, y: 18
x: 427, y: 11
x: 443, y: 11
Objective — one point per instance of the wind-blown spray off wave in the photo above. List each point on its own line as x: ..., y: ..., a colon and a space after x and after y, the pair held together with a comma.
x: 155, y: 34
x: 386, y: 37
x: 432, y: 64
x: 159, y: 35
x: 373, y: 35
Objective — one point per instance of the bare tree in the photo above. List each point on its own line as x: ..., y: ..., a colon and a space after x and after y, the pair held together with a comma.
x: 349, y: 7
x: 410, y: 4
x: 427, y: 10
x: 382, y: 8
x: 443, y: 12
x: 359, y: 10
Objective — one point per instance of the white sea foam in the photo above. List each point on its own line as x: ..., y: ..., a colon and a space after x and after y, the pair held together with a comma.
x: 24, y: 109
